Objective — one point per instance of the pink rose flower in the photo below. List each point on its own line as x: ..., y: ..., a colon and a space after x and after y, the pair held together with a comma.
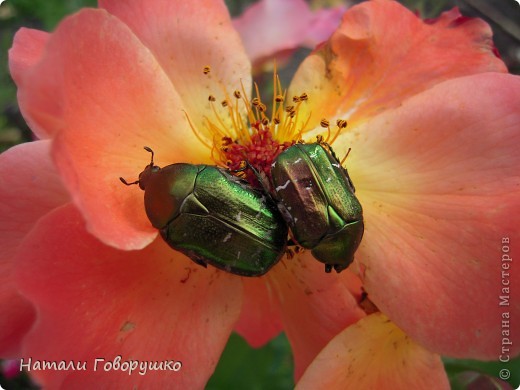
x: 433, y: 124
x: 273, y: 29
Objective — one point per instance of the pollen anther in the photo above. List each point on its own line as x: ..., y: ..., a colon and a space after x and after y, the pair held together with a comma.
x: 341, y: 123
x: 246, y: 139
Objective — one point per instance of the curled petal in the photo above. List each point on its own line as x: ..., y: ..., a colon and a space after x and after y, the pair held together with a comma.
x: 27, y: 50
x: 374, y: 354
x: 29, y: 188
x: 96, y: 302
x: 185, y: 37
x: 260, y: 319
x: 315, y: 306
x: 382, y: 54
x: 438, y: 179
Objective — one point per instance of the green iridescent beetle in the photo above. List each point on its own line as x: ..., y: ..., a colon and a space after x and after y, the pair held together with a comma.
x: 214, y: 217
x: 316, y: 198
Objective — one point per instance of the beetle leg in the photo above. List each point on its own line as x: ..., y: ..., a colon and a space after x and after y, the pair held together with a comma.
x: 291, y: 242
x: 328, y: 268
x: 260, y: 176
x: 200, y: 262
x: 340, y: 267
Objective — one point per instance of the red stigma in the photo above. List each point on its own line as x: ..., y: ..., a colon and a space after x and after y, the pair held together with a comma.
x: 259, y: 153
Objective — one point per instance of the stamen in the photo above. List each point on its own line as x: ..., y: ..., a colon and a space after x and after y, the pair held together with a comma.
x: 341, y: 123
x: 345, y: 158
x: 242, y: 136
x: 326, y: 124
x: 202, y: 140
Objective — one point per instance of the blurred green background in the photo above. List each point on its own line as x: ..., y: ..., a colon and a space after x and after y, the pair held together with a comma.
x: 270, y: 367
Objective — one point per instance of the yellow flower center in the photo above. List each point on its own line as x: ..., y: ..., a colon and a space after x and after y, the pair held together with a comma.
x: 256, y: 139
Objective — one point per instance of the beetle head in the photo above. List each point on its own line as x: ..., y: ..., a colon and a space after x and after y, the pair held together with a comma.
x: 145, y: 175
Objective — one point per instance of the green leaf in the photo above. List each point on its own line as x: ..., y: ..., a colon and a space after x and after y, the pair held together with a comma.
x: 244, y: 367
x: 462, y: 372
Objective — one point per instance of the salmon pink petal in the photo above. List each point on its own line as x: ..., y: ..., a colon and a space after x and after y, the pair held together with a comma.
x: 260, y: 319
x: 96, y: 302
x: 185, y: 37
x: 110, y: 98
x: 268, y: 27
x: 17, y: 316
x: 27, y: 50
x: 374, y: 354
x: 438, y: 179
x: 382, y: 54
x: 29, y: 189
x: 315, y: 306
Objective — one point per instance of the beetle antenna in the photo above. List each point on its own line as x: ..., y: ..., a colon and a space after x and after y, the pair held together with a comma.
x: 127, y: 183
x: 148, y: 149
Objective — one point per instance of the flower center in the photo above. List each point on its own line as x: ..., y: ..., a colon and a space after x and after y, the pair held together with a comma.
x: 249, y: 147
